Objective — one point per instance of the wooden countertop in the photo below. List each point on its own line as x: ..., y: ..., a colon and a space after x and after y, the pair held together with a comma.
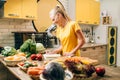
x: 112, y: 73
x: 17, y: 72
x: 23, y: 32
x: 87, y: 45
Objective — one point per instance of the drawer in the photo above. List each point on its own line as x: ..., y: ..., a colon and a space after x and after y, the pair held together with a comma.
x: 98, y: 53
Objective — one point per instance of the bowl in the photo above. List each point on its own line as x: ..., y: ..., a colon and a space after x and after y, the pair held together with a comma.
x: 68, y: 75
x: 13, y: 60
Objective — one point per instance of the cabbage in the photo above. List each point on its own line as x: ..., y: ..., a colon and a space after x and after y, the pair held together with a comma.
x: 39, y: 47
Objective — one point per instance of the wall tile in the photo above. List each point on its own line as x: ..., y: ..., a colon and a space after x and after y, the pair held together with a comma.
x: 7, y: 26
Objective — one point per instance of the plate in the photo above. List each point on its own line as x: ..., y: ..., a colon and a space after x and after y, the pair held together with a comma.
x: 51, y: 56
x: 22, y: 68
x: 68, y: 75
x: 27, y: 64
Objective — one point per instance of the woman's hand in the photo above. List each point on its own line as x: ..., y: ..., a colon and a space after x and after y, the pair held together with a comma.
x: 68, y: 54
x: 49, y: 52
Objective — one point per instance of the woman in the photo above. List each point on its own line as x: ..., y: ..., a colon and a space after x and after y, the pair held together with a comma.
x: 68, y: 32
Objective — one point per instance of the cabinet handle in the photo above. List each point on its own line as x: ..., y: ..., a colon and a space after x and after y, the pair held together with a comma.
x: 84, y: 49
x: 29, y: 16
x: 79, y: 21
x: 95, y: 22
x: 101, y: 46
x: 93, y: 48
x: 86, y: 22
x: 15, y: 15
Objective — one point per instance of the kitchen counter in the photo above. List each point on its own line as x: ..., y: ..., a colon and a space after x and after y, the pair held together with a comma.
x: 112, y: 73
x: 87, y: 45
x: 95, y: 51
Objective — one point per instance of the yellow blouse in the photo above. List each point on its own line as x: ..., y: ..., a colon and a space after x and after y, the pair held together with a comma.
x: 68, y: 37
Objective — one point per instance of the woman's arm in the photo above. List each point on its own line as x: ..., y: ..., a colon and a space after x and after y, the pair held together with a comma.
x: 58, y: 50
x: 81, y: 42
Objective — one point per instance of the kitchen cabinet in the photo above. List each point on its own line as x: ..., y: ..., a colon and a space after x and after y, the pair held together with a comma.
x: 29, y: 9
x: 20, y: 9
x: 82, y: 10
x: 94, y: 12
x: 88, y: 12
x: 12, y: 9
x: 95, y: 52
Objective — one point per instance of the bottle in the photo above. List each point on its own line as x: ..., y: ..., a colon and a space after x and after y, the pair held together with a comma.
x: 33, y: 44
x: 33, y: 38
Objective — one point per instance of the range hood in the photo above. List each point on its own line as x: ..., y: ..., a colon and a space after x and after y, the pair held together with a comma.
x: 2, y: 2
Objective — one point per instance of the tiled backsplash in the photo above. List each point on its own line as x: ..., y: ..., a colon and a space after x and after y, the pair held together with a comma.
x: 87, y: 31
x: 7, y: 26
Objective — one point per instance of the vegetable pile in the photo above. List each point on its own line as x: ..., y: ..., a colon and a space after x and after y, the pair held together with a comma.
x: 77, y: 67
x: 8, y: 51
x: 30, y: 47
x: 27, y: 64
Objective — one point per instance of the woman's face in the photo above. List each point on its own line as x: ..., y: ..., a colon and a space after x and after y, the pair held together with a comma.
x: 55, y: 17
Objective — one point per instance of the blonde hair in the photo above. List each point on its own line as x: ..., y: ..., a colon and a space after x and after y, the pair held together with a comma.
x: 61, y: 10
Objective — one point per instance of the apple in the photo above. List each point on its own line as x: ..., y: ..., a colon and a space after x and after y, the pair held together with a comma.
x: 100, y: 71
x: 33, y: 56
x: 39, y: 57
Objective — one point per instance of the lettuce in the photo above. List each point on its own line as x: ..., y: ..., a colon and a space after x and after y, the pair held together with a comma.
x: 39, y: 47
x: 9, y: 51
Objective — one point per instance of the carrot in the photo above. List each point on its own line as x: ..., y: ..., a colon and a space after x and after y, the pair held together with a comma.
x: 37, y: 68
x: 33, y: 72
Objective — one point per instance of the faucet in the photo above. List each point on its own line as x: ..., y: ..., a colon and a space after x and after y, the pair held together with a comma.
x: 50, y: 29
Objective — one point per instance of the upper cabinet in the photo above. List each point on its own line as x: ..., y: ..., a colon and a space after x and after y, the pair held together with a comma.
x: 12, y: 9
x: 21, y: 9
x: 88, y: 12
x: 29, y: 9
x: 95, y: 12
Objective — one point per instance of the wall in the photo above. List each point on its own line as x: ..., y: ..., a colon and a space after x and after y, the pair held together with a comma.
x: 7, y: 26
x: 113, y: 9
x: 71, y: 9
x: 65, y: 4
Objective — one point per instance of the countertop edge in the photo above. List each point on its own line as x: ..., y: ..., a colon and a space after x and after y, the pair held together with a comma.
x: 88, y: 45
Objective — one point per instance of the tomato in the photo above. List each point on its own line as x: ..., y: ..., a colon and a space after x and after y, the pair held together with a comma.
x: 33, y: 56
x: 100, y: 71
x: 39, y: 57
x: 21, y: 63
